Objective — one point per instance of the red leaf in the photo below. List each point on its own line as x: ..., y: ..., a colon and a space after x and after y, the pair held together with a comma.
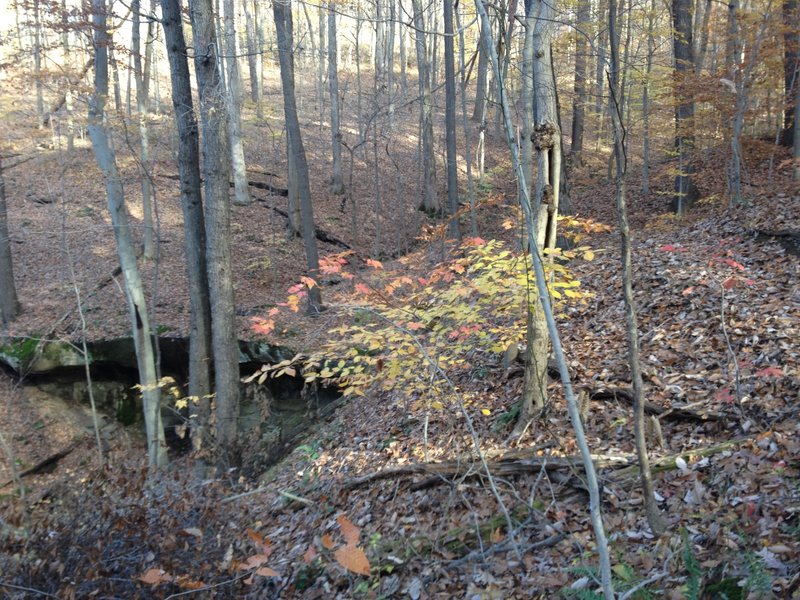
x: 362, y: 289
x: 310, y: 555
x: 770, y: 372
x: 671, y: 248
x: 729, y: 283
x: 724, y: 395
x: 732, y: 263
x: 688, y: 290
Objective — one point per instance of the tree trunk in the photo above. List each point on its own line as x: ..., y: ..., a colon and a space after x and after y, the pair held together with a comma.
x: 479, y: 110
x: 337, y: 180
x: 140, y: 77
x: 193, y: 221
x: 581, y: 70
x: 216, y: 161
x: 546, y: 140
x: 454, y: 231
x: 37, y: 65
x: 430, y: 200
x: 685, y: 190
x: 791, y: 68
x: 9, y: 305
x: 651, y: 44
x: 283, y: 19
x: 241, y: 194
x: 134, y: 290
x: 253, y: 53
x: 602, y: 40
x: 595, y: 511
x: 654, y: 517
x: 796, y: 148
x: 473, y: 223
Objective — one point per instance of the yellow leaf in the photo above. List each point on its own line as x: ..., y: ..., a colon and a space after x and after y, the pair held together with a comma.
x: 436, y: 405
x: 588, y: 255
x: 310, y: 377
x: 486, y: 411
x: 352, y: 558
x: 350, y: 532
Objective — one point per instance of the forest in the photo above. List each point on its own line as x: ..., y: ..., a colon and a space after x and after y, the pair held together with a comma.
x: 400, y: 299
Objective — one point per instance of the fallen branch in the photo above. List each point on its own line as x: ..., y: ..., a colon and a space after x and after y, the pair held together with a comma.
x: 321, y: 234
x: 51, y: 460
x: 626, y: 394
x: 513, y: 463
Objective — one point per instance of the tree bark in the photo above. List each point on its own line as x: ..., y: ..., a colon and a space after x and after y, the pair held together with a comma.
x: 253, y: 53
x: 454, y: 231
x: 283, y: 18
x: 193, y: 221
x: 134, y: 290
x: 37, y: 64
x: 241, y: 194
x: 216, y: 161
x: 9, y: 305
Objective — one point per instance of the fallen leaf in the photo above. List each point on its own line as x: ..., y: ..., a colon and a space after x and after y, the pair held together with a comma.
x: 352, y: 558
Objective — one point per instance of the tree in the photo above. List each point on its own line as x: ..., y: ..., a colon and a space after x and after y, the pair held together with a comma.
x: 193, y: 221
x: 283, y: 19
x: 683, y: 50
x: 9, y: 305
x: 337, y: 181
x: 430, y: 200
x: 134, y: 290
x: 791, y: 68
x: 142, y: 107
x: 234, y: 88
x: 654, y: 517
x: 546, y: 140
x: 581, y: 72
x: 216, y: 159
x: 450, y: 120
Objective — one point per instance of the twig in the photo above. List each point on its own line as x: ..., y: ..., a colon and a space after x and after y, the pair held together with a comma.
x: 504, y: 547
x: 27, y: 589
x: 207, y: 587
x: 642, y: 584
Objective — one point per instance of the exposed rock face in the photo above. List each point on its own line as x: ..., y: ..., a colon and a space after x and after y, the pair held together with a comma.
x: 272, y: 415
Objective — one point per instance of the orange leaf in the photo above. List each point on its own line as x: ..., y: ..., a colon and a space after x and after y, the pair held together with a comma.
x: 375, y: 264
x: 261, y: 543
x: 310, y: 555
x: 327, y: 541
x: 496, y: 536
x: 310, y: 283
x: 350, y: 532
x: 415, y: 326
x: 253, y: 561
x: 267, y: 572
x: 362, y: 289
x: 155, y: 576
x: 729, y: 283
x: 352, y: 558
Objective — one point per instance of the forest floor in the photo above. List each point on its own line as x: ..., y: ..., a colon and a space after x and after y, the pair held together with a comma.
x: 719, y: 316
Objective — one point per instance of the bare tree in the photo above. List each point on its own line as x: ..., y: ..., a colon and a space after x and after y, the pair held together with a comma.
x: 683, y: 51
x: 134, y: 290
x: 581, y: 71
x: 337, y: 181
x: 430, y: 200
x: 454, y: 231
x: 653, y: 513
x: 193, y: 221
x: 216, y: 161
x: 234, y: 87
x: 283, y: 19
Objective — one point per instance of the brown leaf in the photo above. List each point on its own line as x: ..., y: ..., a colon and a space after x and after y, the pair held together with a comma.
x: 310, y: 555
x: 267, y: 572
x: 350, y: 532
x: 155, y: 576
x: 352, y: 558
x: 327, y: 541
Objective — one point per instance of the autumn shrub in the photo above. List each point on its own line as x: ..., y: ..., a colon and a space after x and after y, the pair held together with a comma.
x: 408, y: 334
